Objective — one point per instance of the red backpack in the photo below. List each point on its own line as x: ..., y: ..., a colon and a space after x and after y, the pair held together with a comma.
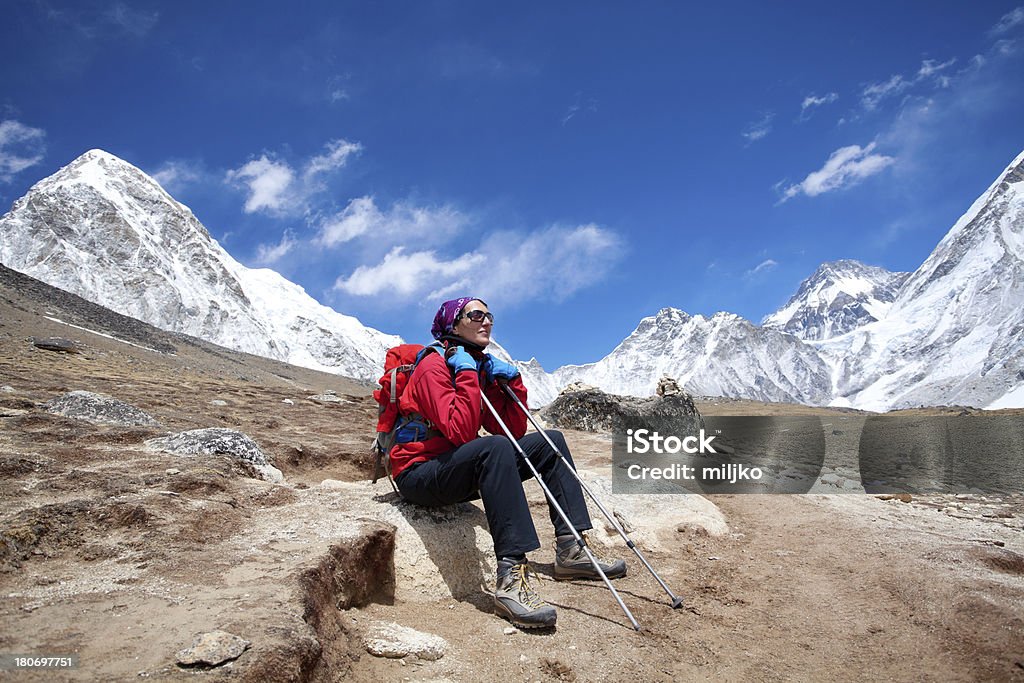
x: 399, y: 363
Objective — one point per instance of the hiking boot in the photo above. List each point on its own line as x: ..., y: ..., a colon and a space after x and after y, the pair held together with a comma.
x: 572, y: 563
x: 516, y: 600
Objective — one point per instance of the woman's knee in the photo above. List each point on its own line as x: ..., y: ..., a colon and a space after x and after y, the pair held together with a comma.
x: 499, y: 449
x: 558, y: 439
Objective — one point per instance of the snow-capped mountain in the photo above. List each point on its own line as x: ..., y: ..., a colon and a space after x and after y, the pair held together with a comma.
x: 950, y: 333
x: 104, y: 230
x: 724, y: 355
x: 955, y: 332
x: 838, y: 298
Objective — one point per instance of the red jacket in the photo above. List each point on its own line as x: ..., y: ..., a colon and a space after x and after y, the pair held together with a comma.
x: 454, y: 409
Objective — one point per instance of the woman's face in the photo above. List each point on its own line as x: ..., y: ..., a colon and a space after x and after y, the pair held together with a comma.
x: 478, y: 333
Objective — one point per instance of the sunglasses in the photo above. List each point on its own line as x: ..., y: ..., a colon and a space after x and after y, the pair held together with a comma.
x: 478, y: 316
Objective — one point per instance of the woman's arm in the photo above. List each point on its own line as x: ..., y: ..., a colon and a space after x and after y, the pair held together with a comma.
x: 510, y: 413
x: 453, y: 408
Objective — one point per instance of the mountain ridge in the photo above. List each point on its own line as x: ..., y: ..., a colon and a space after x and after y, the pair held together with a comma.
x: 853, y: 335
x: 101, y: 228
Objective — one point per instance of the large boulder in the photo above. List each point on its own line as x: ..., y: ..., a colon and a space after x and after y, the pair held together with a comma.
x: 99, y: 409
x: 448, y: 551
x: 219, y: 441
x: 439, y: 552
x: 652, y: 520
x: 590, y: 410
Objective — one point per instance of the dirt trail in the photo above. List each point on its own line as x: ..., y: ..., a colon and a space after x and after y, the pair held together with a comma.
x: 840, y: 587
x: 124, y: 561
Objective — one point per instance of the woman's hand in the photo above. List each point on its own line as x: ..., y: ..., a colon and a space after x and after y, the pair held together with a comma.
x: 498, y: 369
x: 459, y: 360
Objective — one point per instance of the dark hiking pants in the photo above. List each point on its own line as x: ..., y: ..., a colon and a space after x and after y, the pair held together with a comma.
x: 490, y: 467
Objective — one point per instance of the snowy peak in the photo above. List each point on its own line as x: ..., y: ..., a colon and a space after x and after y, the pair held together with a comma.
x: 988, y: 238
x: 724, y: 355
x: 103, y: 229
x: 839, y: 297
x: 951, y: 333
x: 955, y: 333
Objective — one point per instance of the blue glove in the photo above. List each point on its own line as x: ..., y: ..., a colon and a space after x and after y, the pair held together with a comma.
x: 460, y: 360
x: 498, y: 369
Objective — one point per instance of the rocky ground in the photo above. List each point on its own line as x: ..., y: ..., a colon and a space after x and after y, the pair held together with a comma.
x: 123, y: 555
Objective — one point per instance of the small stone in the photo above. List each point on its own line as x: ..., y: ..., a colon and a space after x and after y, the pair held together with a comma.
x: 388, y: 639
x: 218, y: 402
x: 288, y: 401
x: 7, y: 389
x: 212, y: 649
x: 328, y: 398
x: 172, y: 471
x: 509, y: 631
x: 902, y: 497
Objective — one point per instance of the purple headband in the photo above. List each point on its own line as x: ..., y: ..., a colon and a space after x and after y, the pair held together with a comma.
x: 444, y: 321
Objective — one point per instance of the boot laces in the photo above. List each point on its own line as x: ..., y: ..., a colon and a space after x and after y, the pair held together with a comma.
x: 527, y: 596
x: 577, y: 553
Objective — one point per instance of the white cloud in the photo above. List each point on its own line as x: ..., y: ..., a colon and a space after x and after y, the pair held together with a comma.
x: 812, y: 101
x: 406, y: 274
x: 590, y: 105
x: 173, y: 176
x: 876, y: 92
x: 267, y: 182
x: 275, y: 187
x: 551, y: 264
x: 21, y: 147
x: 1014, y: 17
x: 268, y: 254
x: 929, y: 67
x: 399, y: 223
x: 507, y: 268
x: 845, y: 167
x: 762, y: 267
x: 338, y: 152
x: 337, y: 88
x: 759, y: 129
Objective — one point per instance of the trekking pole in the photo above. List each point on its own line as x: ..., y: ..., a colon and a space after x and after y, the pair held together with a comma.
x: 561, y: 513
x: 677, y: 602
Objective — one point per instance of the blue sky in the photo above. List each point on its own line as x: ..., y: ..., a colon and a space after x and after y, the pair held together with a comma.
x: 577, y: 165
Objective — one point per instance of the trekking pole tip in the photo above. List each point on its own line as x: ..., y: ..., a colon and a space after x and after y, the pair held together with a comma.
x: 677, y: 603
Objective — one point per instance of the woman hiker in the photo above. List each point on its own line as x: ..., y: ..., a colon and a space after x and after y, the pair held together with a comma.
x: 453, y: 464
